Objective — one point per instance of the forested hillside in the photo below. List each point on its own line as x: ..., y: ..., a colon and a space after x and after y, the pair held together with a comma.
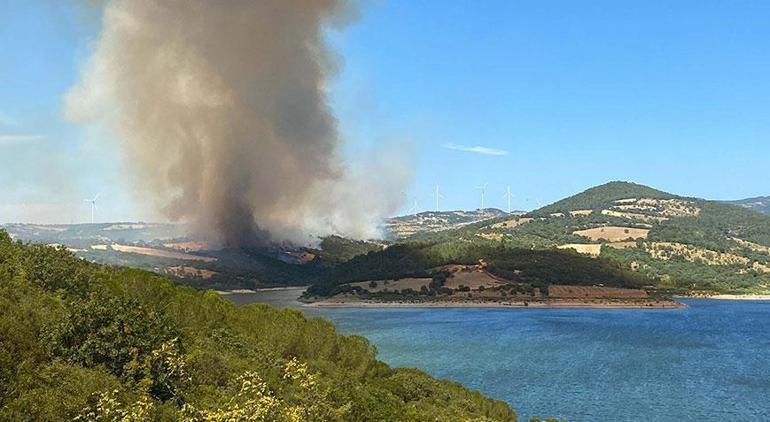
x: 83, y: 341
x: 684, y: 243
x: 534, y: 268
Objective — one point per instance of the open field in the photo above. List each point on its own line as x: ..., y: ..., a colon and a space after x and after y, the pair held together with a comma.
x: 190, y: 246
x: 584, y: 248
x: 473, y: 279
x: 161, y: 253
x: 613, y: 233
x: 576, y: 213
x: 634, y: 216
x: 391, y: 285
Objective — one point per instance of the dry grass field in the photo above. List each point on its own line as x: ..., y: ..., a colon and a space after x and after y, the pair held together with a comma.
x: 634, y: 216
x: 576, y: 213
x: 161, y: 253
x: 191, y: 246
x: 613, y: 233
x: 473, y: 279
x: 404, y: 283
x: 751, y: 245
x: 588, y: 249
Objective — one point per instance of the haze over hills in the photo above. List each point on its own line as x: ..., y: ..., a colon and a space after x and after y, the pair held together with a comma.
x: 669, y: 240
x: 640, y: 234
x: 758, y: 204
x: 435, y: 221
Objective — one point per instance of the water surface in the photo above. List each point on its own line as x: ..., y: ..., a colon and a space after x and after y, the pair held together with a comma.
x: 707, y: 362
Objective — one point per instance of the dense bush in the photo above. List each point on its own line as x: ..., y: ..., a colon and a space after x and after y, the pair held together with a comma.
x: 417, y: 259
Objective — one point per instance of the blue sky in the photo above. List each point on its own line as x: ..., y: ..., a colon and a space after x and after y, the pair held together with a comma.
x: 549, y: 97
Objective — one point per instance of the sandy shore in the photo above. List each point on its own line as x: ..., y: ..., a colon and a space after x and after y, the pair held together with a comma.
x: 252, y: 291
x: 732, y: 297
x: 491, y: 304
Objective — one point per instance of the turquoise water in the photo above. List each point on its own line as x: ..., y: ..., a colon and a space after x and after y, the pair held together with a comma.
x: 707, y: 362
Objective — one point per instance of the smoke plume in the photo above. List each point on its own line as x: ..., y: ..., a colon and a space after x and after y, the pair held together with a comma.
x: 222, y: 115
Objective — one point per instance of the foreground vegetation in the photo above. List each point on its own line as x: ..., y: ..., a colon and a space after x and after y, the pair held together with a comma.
x: 83, y: 341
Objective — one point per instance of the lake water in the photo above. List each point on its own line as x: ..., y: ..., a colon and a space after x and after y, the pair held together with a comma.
x: 707, y: 362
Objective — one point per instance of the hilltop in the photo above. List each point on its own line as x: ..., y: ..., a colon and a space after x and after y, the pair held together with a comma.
x: 603, y: 196
x: 679, y: 242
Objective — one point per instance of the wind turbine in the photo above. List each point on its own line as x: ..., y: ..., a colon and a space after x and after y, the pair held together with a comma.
x: 483, y: 189
x: 415, y: 208
x: 438, y: 196
x: 539, y: 204
x: 508, y: 195
x: 93, y: 206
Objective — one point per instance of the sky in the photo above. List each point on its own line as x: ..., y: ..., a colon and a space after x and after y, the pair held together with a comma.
x: 547, y: 97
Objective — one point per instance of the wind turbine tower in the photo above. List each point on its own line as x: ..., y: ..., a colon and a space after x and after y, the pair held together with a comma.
x: 508, y: 195
x: 537, y: 200
x: 438, y: 196
x: 483, y: 189
x: 415, y: 208
x: 93, y: 206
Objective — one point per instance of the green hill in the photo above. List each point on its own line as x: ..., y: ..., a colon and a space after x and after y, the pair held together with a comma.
x: 83, y: 341
x: 644, y: 235
x: 685, y: 243
x: 602, y: 196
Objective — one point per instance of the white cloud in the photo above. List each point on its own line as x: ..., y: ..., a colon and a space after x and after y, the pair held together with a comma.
x: 476, y: 149
x: 16, y: 139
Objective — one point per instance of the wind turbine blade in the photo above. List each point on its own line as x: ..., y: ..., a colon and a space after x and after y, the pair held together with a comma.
x: 96, y: 197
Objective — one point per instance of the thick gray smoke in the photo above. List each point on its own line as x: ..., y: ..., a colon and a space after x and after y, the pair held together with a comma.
x: 221, y: 110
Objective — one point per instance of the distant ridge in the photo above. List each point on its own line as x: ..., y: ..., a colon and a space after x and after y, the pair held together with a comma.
x: 759, y: 204
x: 435, y: 221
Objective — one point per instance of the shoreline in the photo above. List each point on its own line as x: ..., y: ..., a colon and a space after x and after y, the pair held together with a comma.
x: 729, y: 297
x: 533, y: 304
x: 253, y: 291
